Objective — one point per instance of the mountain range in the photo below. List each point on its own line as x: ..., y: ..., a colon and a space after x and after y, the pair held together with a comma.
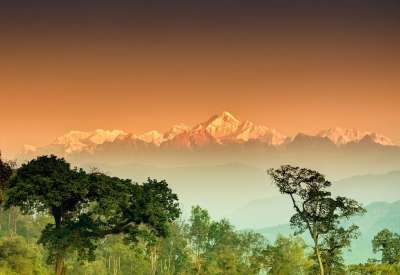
x: 219, y: 130
x: 223, y: 139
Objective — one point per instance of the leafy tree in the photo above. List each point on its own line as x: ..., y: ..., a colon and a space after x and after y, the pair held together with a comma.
x: 5, y: 174
x: 332, y: 246
x: 87, y: 207
x: 222, y: 249
x: 287, y: 256
x: 114, y: 256
x: 6, y: 171
x: 18, y: 257
x: 219, y: 249
x: 232, y: 252
x: 316, y: 211
x: 251, y: 248
x: 200, y: 223
x: 388, y: 243
x: 175, y: 254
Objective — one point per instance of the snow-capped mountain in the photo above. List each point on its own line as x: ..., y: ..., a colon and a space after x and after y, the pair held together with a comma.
x: 175, y: 131
x: 78, y: 141
x: 249, y: 131
x: 340, y: 136
x: 154, y: 137
x: 226, y: 128
x: 220, y: 126
x: 222, y: 129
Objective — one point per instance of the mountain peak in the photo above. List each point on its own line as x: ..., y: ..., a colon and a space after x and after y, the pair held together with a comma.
x: 152, y: 136
x: 175, y: 131
x: 249, y: 131
x: 341, y: 136
x: 223, y: 117
x: 228, y: 116
x: 220, y: 126
x: 77, y: 141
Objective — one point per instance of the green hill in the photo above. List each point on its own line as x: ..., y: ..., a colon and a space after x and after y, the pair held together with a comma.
x: 379, y: 215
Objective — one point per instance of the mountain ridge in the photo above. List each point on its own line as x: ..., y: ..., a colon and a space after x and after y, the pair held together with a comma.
x: 222, y: 129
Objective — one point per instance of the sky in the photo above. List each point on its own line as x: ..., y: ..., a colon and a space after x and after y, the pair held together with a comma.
x: 291, y: 65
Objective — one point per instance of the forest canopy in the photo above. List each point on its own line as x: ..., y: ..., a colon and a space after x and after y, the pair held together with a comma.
x: 58, y: 219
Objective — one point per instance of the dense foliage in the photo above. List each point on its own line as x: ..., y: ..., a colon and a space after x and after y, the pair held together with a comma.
x: 87, y: 207
x: 106, y: 225
x: 5, y: 175
x: 224, y: 251
x: 388, y: 244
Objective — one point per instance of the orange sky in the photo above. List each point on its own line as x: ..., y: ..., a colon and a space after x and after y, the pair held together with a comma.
x: 293, y: 79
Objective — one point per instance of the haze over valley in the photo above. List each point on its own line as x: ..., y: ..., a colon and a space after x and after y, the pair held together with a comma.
x: 223, y: 161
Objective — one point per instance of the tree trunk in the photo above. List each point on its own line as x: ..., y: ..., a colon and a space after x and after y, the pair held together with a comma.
x: 153, y: 259
x: 1, y: 215
x: 9, y: 223
x: 60, y: 268
x: 314, y: 236
x: 318, y: 254
x: 115, y: 266
x: 14, y: 220
x: 119, y: 263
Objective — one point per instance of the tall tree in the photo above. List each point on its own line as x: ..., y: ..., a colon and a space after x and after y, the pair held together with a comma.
x: 199, y: 228
x: 316, y: 211
x: 388, y: 243
x: 20, y: 257
x: 287, y: 256
x: 219, y: 249
x: 6, y: 170
x: 87, y: 207
x: 5, y: 174
x: 175, y: 255
x: 332, y: 246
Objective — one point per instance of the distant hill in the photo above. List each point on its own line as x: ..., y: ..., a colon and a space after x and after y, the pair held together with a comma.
x: 369, y: 188
x: 276, y: 209
x: 379, y: 215
x: 262, y: 212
